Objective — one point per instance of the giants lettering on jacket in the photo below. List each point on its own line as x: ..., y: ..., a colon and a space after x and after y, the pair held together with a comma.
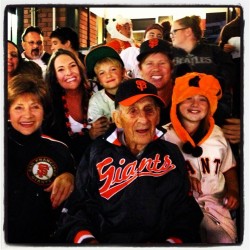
x: 117, y: 178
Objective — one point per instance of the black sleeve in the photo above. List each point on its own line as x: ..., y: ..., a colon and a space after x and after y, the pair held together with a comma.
x: 75, y: 213
x: 226, y: 73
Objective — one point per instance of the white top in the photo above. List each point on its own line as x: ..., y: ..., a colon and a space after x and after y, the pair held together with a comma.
x: 100, y: 105
x: 217, y: 158
x: 235, y: 41
x: 129, y: 59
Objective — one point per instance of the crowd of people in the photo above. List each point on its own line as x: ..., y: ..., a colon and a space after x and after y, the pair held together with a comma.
x: 150, y: 155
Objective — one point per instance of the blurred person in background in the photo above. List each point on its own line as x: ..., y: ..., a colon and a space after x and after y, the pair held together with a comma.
x: 33, y: 46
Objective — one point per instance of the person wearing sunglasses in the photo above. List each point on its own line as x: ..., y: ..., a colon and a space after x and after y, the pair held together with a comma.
x: 33, y: 46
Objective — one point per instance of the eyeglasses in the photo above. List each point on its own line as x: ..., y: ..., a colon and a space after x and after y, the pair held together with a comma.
x: 174, y: 31
x: 32, y: 43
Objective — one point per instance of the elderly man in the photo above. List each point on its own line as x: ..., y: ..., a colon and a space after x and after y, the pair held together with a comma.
x: 131, y: 186
x: 32, y: 43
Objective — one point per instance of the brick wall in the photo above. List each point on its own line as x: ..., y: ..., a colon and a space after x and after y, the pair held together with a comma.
x: 83, y: 28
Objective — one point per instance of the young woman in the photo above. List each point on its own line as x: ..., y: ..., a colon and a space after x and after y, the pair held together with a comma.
x: 70, y: 97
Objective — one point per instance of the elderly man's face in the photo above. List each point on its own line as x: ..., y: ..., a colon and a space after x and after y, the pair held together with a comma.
x: 138, y: 122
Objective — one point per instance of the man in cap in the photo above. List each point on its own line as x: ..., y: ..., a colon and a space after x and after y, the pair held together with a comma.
x: 131, y: 186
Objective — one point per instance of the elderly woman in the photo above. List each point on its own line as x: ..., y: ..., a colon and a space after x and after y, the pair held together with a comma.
x: 39, y: 173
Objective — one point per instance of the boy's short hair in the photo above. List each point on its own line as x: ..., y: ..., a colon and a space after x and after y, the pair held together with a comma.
x: 65, y: 34
x: 114, y: 61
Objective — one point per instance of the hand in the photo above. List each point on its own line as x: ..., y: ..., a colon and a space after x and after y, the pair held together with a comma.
x: 231, y: 200
x: 61, y: 188
x: 195, y: 184
x: 232, y: 130
x: 99, y: 127
x: 93, y: 242
x: 228, y: 48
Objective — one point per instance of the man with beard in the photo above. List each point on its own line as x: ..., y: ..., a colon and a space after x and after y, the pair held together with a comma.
x: 32, y: 43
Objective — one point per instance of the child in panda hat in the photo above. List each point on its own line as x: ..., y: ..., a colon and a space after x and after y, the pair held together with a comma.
x: 209, y: 158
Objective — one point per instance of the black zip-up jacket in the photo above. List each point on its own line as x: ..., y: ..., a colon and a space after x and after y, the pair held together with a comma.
x: 209, y: 59
x: 124, y: 199
x: 33, y: 162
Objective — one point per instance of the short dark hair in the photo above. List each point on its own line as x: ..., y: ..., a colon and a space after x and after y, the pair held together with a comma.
x: 31, y: 29
x: 65, y: 34
x: 153, y: 26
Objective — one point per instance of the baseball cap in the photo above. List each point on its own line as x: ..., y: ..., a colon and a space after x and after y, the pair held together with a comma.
x: 97, y: 54
x: 154, y: 45
x: 132, y: 90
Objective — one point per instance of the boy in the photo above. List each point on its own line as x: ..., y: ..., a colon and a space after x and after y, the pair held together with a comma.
x: 105, y: 64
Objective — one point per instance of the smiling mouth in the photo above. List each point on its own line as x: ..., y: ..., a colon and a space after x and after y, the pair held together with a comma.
x: 26, y: 124
x: 71, y: 79
x: 110, y: 80
x: 156, y: 77
x: 194, y: 111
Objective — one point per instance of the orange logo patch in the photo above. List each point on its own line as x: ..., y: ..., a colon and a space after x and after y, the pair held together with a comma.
x: 141, y: 85
x: 42, y: 170
x: 153, y: 43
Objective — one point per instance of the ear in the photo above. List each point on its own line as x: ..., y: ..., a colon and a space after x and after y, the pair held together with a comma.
x: 68, y: 44
x: 188, y: 31
x: 23, y: 45
x: 158, y: 110
x: 116, y: 118
x: 124, y: 72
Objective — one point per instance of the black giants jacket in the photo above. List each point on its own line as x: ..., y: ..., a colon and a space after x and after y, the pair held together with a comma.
x: 121, y: 198
x: 33, y: 162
